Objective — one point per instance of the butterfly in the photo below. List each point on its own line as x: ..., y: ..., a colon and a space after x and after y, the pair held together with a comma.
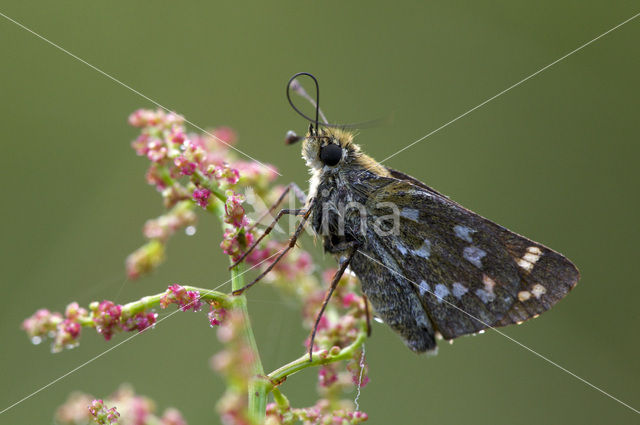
x: 428, y: 266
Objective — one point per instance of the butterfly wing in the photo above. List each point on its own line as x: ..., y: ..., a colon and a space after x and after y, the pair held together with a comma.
x: 468, y: 272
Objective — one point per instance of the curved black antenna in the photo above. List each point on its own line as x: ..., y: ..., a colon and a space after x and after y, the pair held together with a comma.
x: 317, y: 106
x: 317, y: 97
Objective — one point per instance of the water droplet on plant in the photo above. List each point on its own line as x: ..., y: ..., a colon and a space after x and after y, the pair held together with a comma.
x: 35, y: 340
x: 377, y: 319
x: 481, y: 332
x: 190, y: 230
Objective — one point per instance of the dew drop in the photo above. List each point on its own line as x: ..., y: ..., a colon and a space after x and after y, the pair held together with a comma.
x: 481, y: 331
x: 190, y: 230
x: 377, y: 319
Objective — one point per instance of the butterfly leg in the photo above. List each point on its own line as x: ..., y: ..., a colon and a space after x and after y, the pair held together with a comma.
x: 290, y: 187
x: 299, y: 194
x: 334, y: 283
x: 265, y: 233
x: 292, y: 242
x: 366, y: 312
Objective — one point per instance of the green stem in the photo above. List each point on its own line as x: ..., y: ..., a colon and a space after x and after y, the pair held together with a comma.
x: 205, y: 182
x: 318, y: 358
x: 151, y: 301
x: 258, y: 385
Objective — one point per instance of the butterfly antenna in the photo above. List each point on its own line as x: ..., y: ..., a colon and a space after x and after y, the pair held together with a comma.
x: 297, y: 87
x: 299, y: 90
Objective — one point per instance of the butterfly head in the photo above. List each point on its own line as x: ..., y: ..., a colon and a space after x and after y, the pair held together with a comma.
x: 328, y: 148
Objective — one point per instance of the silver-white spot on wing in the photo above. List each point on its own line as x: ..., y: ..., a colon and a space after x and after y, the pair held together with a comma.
x: 424, y: 288
x: 459, y: 290
x: 403, y: 250
x: 485, y: 297
x: 411, y: 214
x: 474, y: 255
x: 441, y: 292
x: 424, y: 251
x: 464, y: 233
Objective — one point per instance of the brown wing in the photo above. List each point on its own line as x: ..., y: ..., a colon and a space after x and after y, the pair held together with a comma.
x: 468, y: 272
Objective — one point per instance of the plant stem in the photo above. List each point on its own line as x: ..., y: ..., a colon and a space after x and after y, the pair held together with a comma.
x: 319, y: 358
x: 150, y: 301
x: 258, y: 385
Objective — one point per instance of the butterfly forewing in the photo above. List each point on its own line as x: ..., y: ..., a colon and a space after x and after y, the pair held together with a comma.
x: 468, y: 272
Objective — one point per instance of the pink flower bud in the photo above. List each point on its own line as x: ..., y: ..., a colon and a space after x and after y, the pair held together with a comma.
x: 145, y: 259
x: 327, y: 376
x: 41, y: 324
x: 172, y: 417
x: 350, y: 299
x: 186, y: 300
x: 216, y: 315
x: 103, y: 415
x: 225, y: 134
x: 234, y: 212
x: 177, y: 135
x: 201, y: 196
x: 107, y: 318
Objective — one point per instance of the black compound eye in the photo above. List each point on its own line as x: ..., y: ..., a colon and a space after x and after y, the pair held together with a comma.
x: 330, y: 155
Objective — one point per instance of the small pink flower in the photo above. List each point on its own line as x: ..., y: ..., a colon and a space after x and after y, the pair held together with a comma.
x: 201, y: 196
x: 140, y: 118
x: 67, y: 335
x: 141, y: 144
x: 350, y: 299
x: 359, y: 371
x: 234, y: 212
x: 42, y: 323
x: 225, y: 173
x: 255, y: 174
x: 156, y: 151
x: 186, y: 300
x: 172, y: 417
x: 258, y: 255
x: 234, y: 240
x: 145, y: 259
x: 154, y: 177
x: 186, y: 167
x: 216, y: 315
x: 327, y: 376
x: 177, y: 135
x: 103, y: 415
x: 74, y: 311
x: 226, y: 134
x: 140, y: 321
x: 107, y: 318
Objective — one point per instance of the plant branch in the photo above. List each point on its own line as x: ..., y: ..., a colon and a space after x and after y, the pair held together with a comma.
x: 318, y: 358
x: 257, y: 386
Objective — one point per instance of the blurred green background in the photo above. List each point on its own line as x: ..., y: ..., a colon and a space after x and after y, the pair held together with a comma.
x: 555, y: 159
